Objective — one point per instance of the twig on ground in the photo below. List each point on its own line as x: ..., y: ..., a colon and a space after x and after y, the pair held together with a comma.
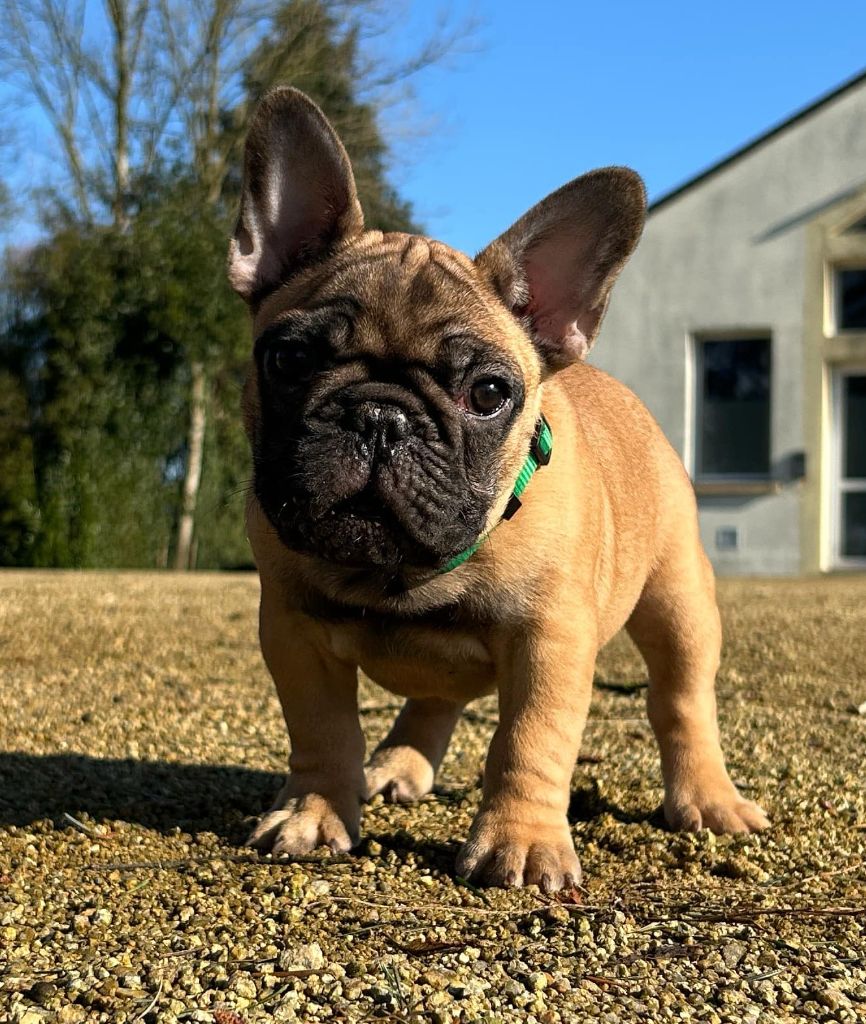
x: 152, y: 1003
x: 232, y: 858
x: 425, y: 948
x: 745, y: 914
x: 664, y: 953
x: 75, y: 823
x: 766, y: 974
x: 598, y: 980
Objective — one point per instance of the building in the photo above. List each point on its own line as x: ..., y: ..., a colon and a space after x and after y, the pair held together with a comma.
x: 741, y: 322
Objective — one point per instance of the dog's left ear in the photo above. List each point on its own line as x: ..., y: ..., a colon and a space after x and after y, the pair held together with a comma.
x: 557, y: 264
x: 298, y: 198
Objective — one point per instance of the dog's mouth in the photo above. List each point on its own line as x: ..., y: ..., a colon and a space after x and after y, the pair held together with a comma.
x: 360, y: 532
x: 366, y: 505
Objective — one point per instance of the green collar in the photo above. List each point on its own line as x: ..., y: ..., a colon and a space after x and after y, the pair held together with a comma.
x: 540, y: 450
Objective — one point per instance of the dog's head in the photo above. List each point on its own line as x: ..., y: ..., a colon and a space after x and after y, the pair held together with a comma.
x: 396, y: 383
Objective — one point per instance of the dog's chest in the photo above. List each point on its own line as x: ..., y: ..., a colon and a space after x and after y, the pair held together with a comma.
x: 416, y: 660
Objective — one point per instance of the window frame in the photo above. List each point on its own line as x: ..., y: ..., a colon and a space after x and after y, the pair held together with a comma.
x: 840, y: 484
x: 716, y: 480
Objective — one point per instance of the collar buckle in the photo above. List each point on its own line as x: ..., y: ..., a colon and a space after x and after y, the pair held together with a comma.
x: 511, y: 508
x: 541, y: 446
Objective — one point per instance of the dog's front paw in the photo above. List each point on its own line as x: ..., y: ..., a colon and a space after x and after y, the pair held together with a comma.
x: 400, y: 773
x: 717, y: 806
x: 511, y: 853
x: 300, y: 824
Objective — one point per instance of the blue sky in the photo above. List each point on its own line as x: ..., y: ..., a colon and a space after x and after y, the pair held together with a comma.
x: 558, y: 87
x: 551, y: 88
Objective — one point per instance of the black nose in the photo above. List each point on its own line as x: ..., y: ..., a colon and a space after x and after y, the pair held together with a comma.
x: 383, y: 427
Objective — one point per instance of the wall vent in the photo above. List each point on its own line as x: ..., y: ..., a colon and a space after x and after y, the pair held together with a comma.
x: 727, y: 538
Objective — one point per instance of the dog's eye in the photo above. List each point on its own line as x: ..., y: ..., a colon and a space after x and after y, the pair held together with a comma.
x: 487, y: 396
x: 290, y: 362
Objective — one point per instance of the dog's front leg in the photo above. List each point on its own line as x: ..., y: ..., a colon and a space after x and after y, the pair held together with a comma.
x: 320, y: 804
x: 521, y: 834
x: 404, y: 764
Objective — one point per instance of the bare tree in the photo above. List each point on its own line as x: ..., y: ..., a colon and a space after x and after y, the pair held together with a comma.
x: 40, y: 52
x: 173, y: 81
x: 177, y: 83
x: 192, y: 479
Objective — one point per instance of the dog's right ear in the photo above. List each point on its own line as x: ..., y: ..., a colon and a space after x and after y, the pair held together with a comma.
x: 298, y: 198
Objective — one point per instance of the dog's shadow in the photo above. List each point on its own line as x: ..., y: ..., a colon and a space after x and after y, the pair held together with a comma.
x: 164, y: 796
x: 158, y: 795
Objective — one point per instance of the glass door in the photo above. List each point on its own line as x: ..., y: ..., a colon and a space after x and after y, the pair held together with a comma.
x: 850, y: 497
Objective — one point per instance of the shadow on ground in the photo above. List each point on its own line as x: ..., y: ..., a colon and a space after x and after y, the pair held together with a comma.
x: 165, y: 795
x: 589, y: 802
x: 158, y: 795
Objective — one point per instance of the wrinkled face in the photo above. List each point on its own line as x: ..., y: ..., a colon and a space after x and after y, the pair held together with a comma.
x: 390, y: 405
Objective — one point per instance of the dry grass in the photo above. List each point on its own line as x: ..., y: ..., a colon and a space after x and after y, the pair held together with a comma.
x: 140, y: 732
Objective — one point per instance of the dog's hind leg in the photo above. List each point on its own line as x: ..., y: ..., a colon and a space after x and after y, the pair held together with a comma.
x: 404, y: 764
x: 677, y: 629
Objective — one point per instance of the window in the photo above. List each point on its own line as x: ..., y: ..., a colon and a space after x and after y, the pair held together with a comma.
x: 853, y: 482
x: 854, y: 426
x: 733, y: 408
x: 851, y: 299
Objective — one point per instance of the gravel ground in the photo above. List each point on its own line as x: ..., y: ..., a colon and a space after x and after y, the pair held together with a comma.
x: 141, y: 733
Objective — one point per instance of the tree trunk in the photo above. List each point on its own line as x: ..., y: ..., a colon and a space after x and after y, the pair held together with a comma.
x: 192, y: 478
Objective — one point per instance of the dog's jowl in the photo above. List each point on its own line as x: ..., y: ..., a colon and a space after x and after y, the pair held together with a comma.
x: 449, y: 497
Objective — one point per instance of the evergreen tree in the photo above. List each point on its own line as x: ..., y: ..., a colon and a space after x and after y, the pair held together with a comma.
x: 122, y: 348
x: 98, y: 344
x: 324, y: 62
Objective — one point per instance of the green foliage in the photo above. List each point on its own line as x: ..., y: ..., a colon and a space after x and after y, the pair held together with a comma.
x: 101, y: 325
x: 17, y: 484
x: 102, y: 333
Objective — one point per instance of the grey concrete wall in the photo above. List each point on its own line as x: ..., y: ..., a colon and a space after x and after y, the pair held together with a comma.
x: 728, y: 255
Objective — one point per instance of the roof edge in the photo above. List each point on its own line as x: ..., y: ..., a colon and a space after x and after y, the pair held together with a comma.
x: 666, y: 197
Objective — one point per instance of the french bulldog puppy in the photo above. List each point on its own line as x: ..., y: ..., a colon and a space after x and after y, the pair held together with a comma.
x: 401, y: 405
